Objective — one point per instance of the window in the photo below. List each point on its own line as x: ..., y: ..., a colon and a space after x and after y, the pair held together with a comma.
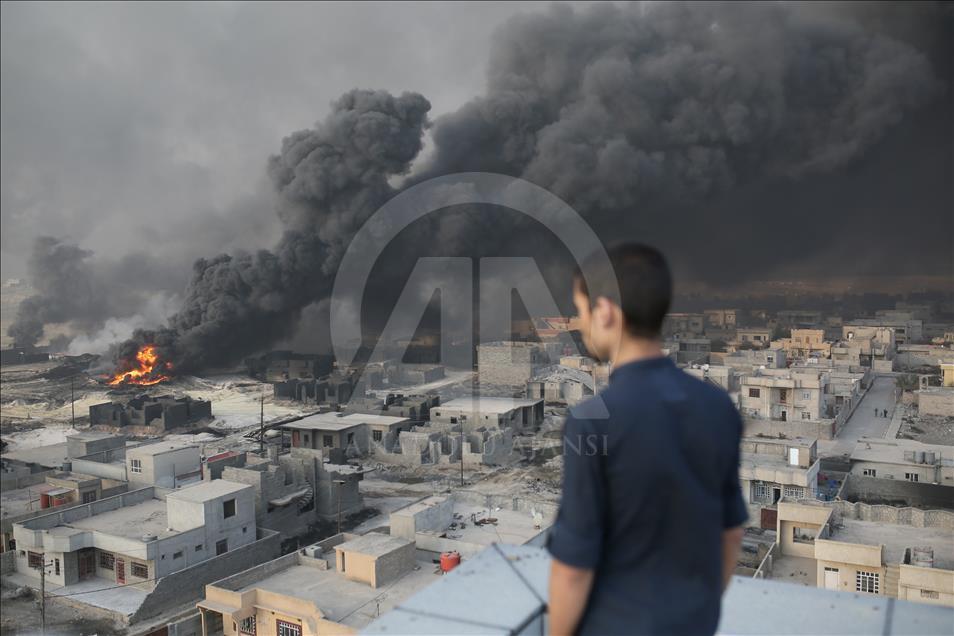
x: 140, y: 570
x: 376, y: 436
x: 35, y: 560
x: 177, y: 555
x: 247, y: 625
x: 437, y: 414
x: 760, y: 491
x: 327, y: 441
x: 89, y: 497
x: 911, y: 476
x: 795, y: 492
x: 198, y: 548
x: 770, y: 359
x: 135, y: 465
x: 806, y: 395
x: 867, y: 582
x: 453, y: 420
x: 929, y: 594
x: 228, y: 508
x: 56, y: 567
x: 754, y: 393
x: 106, y: 560
x: 350, y: 439
x: 244, y: 529
x: 806, y: 415
x: 869, y: 472
x: 284, y: 628
x: 221, y: 547
x: 803, y: 535
x: 783, y: 395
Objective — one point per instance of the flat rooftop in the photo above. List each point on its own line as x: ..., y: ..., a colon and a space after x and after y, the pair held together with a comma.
x: 892, y: 451
x: 341, y: 600
x: 151, y: 450
x: 486, y: 404
x: 89, y: 436
x: 130, y: 522
x: 896, y: 537
x: 373, y: 544
x: 50, y: 456
x: 776, y: 462
x: 326, y: 422
x: 207, y: 490
x: 511, y: 527
x: 362, y: 418
x: 14, y: 503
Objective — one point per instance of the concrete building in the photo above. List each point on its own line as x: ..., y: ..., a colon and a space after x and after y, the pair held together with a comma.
x: 688, y: 350
x: 164, y: 464
x: 89, y: 443
x: 509, y: 363
x: 799, y: 318
x: 903, y: 459
x: 847, y: 547
x: 725, y: 377
x: 805, y: 343
x: 784, y: 394
x: 914, y: 356
x: 752, y: 337
x: 947, y: 375
x: 414, y: 407
x: 561, y: 386
x: 439, y: 443
x: 751, y: 359
x: 296, y: 490
x: 770, y: 469
x: 356, y: 434
x: 906, y: 330
x: 721, y: 318
x: 467, y: 523
x: 683, y: 325
x: 137, y: 538
x: 332, y: 390
x: 520, y: 415
x: 280, y: 366
x: 337, y: 586
x: 162, y: 413
x: 37, y: 494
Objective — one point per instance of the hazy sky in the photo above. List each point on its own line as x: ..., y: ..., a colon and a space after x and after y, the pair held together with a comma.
x: 126, y: 124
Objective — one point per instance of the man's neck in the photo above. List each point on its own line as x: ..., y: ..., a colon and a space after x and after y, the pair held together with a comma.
x: 633, y: 349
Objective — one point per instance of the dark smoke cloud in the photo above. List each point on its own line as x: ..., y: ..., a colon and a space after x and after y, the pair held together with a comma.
x: 680, y: 124
x: 73, y: 288
x: 329, y: 180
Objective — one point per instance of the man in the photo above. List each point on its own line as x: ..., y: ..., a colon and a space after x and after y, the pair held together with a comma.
x: 649, y: 527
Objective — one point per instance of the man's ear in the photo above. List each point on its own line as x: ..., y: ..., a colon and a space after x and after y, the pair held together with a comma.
x: 603, y: 313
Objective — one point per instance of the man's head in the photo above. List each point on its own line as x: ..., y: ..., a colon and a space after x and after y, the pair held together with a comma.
x: 627, y: 302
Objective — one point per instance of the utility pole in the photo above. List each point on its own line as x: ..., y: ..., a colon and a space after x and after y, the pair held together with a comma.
x: 43, y: 566
x: 462, y: 420
x: 72, y: 405
x: 261, y: 425
x: 338, y: 484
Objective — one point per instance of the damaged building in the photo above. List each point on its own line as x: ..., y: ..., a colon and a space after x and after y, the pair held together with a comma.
x: 519, y: 415
x: 296, y: 489
x: 162, y: 413
x: 332, y: 390
x: 412, y: 407
x: 279, y: 366
x: 441, y: 444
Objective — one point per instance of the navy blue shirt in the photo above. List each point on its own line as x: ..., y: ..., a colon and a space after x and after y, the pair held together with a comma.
x: 650, y: 481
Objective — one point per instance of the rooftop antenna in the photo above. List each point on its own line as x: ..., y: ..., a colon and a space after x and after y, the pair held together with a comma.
x: 72, y: 405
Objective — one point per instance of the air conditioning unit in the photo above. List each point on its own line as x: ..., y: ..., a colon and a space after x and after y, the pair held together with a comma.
x: 313, y: 551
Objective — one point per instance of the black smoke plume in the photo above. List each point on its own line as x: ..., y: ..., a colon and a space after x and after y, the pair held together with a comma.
x: 652, y: 120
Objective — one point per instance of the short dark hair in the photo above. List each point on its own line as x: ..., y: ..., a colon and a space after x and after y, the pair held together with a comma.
x: 644, y: 283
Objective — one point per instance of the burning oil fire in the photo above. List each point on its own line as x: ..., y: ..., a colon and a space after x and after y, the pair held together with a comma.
x: 149, y: 370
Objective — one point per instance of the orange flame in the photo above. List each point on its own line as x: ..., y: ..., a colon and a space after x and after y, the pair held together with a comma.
x: 149, y: 371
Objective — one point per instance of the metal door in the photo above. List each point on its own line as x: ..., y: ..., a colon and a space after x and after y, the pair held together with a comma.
x: 120, y: 571
x: 831, y: 578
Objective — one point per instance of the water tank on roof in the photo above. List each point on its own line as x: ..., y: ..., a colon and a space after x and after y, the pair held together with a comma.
x: 920, y: 457
x: 449, y: 561
x: 922, y: 556
x: 909, y: 456
x: 146, y: 538
x: 929, y: 457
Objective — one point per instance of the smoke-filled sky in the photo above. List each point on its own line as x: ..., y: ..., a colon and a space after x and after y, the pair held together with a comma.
x: 749, y: 141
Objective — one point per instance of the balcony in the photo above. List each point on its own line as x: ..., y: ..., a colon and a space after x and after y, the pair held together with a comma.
x: 503, y: 590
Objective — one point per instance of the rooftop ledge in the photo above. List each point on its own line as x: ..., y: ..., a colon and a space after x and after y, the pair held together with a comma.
x: 503, y: 590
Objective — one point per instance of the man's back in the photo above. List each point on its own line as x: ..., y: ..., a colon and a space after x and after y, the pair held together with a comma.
x: 650, y: 482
